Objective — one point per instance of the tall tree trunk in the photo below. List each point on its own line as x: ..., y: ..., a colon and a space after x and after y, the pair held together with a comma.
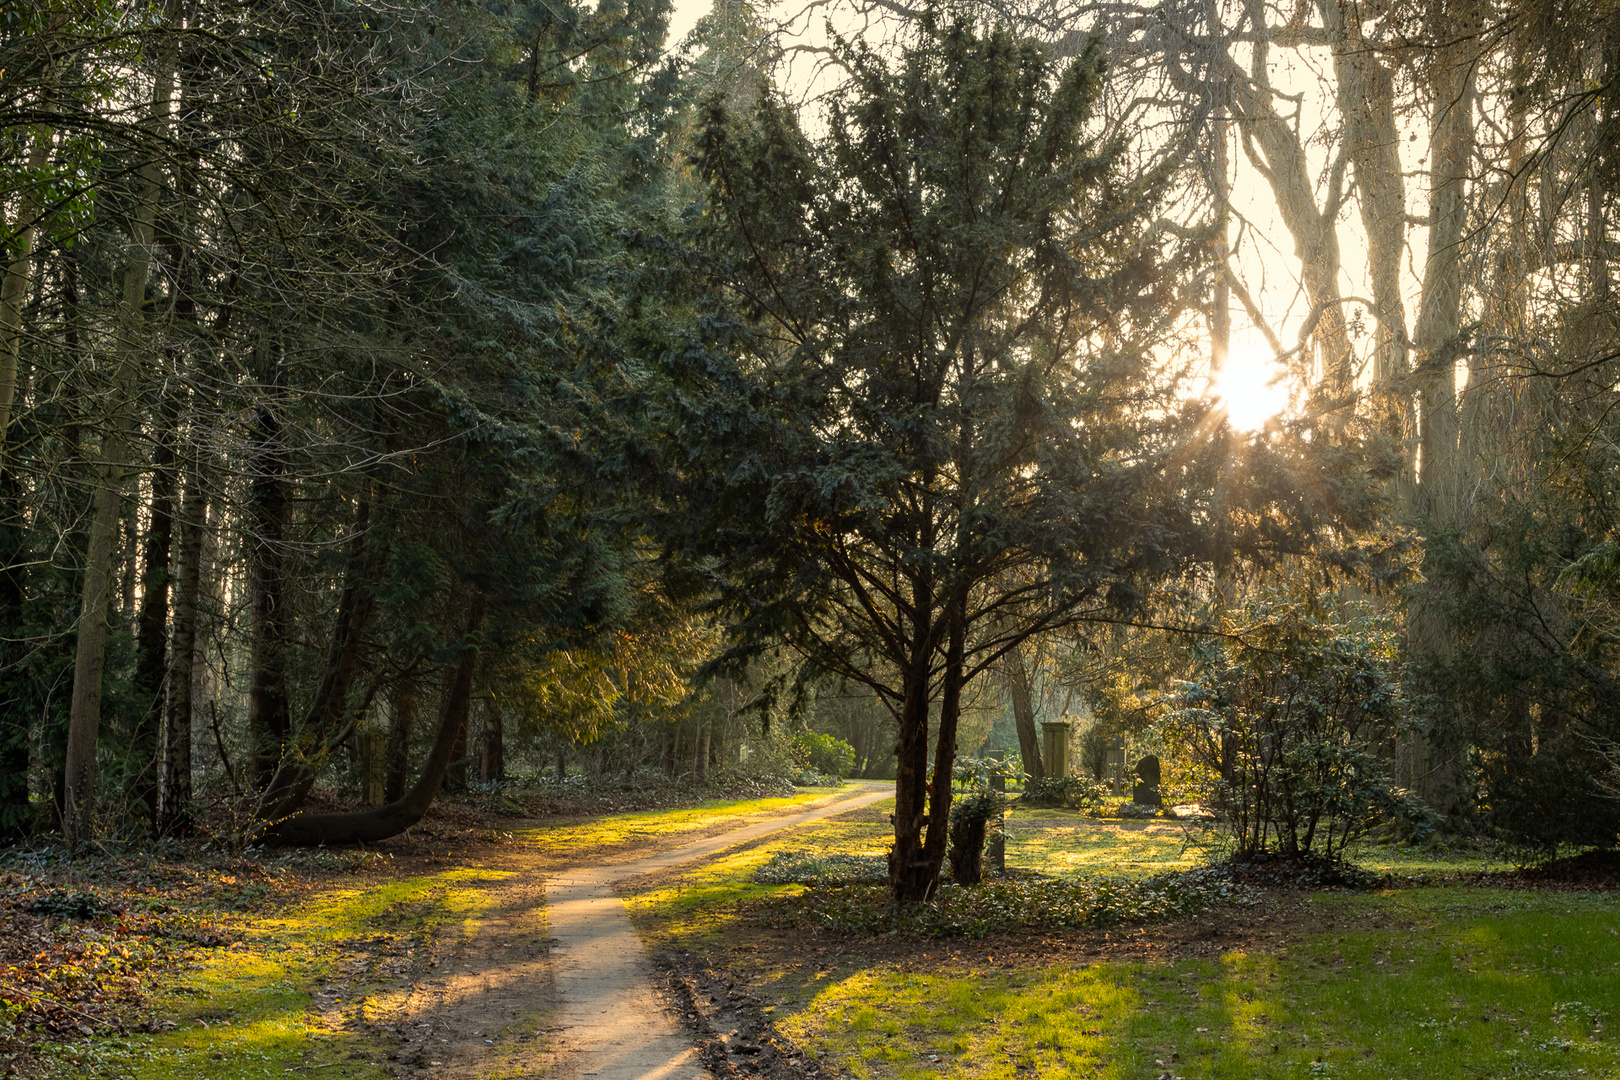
x: 269, y: 709
x: 1432, y: 760
x: 152, y: 624
x: 14, y: 288
x: 15, y: 717
x: 369, y: 826
x: 492, y: 745
x: 909, y: 876
x: 455, y: 774
x: 1023, y: 703
x: 700, y: 754
x: 1366, y: 102
x: 90, y: 655
x: 174, y: 807
x: 15, y: 810
x: 399, y: 741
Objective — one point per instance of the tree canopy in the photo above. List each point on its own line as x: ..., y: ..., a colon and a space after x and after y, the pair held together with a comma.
x: 936, y: 403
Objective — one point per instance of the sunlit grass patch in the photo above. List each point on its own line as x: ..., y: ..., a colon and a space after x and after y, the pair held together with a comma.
x: 1434, y: 860
x: 619, y: 830
x: 704, y: 902
x: 1062, y: 844
x: 888, y: 1023
x: 1487, y: 983
x: 1067, y: 844
x: 246, y: 1012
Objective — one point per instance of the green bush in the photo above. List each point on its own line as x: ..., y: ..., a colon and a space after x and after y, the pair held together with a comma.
x: 827, y: 755
x: 1294, y: 715
x: 1076, y: 792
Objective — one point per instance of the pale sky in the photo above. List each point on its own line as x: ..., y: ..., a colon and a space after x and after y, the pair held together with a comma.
x: 685, y: 16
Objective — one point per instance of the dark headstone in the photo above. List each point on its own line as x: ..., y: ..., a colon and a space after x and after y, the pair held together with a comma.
x: 1146, y: 791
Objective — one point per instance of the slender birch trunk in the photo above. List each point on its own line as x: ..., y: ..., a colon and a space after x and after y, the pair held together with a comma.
x: 111, y: 473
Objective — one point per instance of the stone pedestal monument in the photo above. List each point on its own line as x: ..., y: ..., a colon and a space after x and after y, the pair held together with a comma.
x: 1055, y: 757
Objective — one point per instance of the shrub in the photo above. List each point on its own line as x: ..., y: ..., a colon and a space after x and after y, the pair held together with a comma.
x: 1016, y: 905
x: 1295, y: 715
x: 825, y: 754
x: 1077, y: 792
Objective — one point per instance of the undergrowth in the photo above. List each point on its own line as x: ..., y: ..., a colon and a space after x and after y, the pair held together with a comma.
x: 1009, y: 904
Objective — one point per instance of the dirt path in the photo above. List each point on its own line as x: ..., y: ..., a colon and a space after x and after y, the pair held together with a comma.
x: 496, y: 1001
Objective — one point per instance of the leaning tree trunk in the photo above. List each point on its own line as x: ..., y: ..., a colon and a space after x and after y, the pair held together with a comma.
x: 369, y: 826
x: 323, y: 728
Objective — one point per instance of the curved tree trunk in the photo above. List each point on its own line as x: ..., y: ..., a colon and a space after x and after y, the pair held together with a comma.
x: 323, y: 727
x: 368, y: 826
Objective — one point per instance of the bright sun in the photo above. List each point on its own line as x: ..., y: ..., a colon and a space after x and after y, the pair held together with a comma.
x: 1252, y: 388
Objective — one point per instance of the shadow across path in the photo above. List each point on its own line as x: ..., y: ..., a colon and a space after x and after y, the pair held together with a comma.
x: 610, y: 1024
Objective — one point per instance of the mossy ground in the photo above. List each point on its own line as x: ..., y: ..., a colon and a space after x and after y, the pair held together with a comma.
x: 257, y: 1009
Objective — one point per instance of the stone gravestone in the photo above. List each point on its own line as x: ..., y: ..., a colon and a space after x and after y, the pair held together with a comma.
x: 1146, y: 791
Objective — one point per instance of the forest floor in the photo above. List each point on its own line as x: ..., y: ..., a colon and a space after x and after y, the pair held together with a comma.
x: 194, y: 963
x: 434, y: 957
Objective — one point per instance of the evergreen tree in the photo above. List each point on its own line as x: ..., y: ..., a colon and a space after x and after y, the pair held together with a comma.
x: 929, y: 407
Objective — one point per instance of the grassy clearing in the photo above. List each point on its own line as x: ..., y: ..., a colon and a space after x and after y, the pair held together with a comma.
x: 1436, y: 983
x: 1483, y: 983
x: 1063, y: 843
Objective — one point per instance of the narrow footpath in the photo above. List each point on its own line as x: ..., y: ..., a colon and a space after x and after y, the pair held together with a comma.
x: 612, y: 1025
x: 475, y: 1014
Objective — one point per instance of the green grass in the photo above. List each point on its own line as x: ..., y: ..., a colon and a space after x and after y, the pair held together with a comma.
x: 1064, y: 844
x: 245, y: 1014
x: 1430, y: 983
x: 1484, y: 983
